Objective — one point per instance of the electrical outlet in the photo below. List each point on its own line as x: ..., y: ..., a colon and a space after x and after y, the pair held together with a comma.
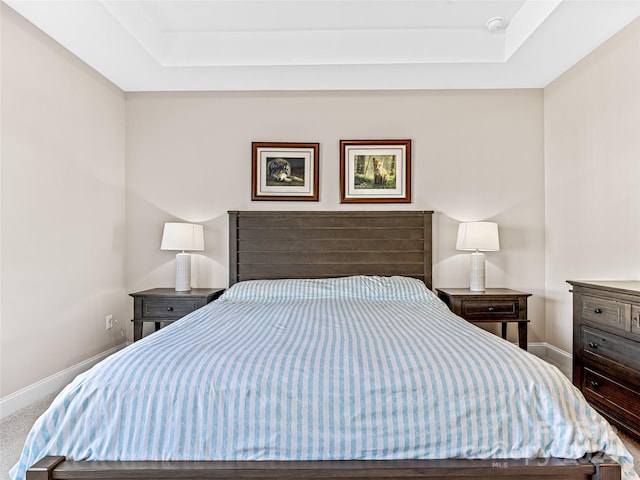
x: 108, y: 322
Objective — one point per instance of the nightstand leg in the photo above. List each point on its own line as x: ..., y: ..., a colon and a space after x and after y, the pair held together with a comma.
x: 137, y: 330
x: 504, y: 330
x: 522, y: 335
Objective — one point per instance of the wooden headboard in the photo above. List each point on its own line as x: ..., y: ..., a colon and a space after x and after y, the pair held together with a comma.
x: 309, y: 244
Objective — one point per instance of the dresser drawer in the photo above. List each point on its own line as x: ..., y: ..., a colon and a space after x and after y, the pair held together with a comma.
x: 599, y: 346
x: 619, y: 400
x: 168, y: 307
x: 479, y: 309
x: 603, y: 311
x: 606, y: 346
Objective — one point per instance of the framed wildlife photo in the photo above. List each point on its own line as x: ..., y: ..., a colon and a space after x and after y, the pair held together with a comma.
x: 285, y: 171
x: 375, y: 171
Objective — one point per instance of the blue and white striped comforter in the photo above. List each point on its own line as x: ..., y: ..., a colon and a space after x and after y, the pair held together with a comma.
x: 351, y: 368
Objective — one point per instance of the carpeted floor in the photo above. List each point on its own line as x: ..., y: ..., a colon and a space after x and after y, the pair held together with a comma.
x: 634, y: 449
x: 14, y: 430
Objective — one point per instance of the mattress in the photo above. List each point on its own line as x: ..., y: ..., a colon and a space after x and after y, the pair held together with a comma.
x: 324, y: 369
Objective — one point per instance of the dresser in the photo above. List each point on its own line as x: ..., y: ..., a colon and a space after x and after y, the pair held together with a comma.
x: 493, y: 305
x: 606, y: 349
x: 165, y: 305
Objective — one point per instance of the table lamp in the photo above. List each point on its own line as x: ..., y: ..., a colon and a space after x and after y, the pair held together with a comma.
x: 478, y: 237
x: 183, y: 236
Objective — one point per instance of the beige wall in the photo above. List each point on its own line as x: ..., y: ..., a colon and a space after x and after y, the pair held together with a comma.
x: 477, y: 155
x: 558, y: 170
x: 592, y: 170
x: 63, y: 207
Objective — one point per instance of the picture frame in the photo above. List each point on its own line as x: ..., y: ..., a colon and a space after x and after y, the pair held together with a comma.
x: 375, y: 171
x: 285, y: 171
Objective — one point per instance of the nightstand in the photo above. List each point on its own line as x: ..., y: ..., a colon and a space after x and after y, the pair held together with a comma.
x: 165, y: 305
x: 500, y: 305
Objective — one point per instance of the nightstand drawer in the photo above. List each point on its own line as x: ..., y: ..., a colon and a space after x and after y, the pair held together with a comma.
x: 165, y: 305
x: 603, y: 311
x: 501, y: 305
x: 168, y: 307
x: 490, y: 309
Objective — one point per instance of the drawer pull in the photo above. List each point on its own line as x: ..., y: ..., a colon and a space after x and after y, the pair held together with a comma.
x: 594, y: 384
x: 597, y: 310
x: 593, y: 344
x: 169, y: 309
x: 491, y: 309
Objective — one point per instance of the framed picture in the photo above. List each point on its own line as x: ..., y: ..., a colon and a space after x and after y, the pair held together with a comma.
x: 285, y: 171
x: 375, y: 171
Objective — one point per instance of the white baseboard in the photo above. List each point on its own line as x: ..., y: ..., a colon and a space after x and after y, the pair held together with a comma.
x: 539, y: 349
x: 36, y: 391
x: 553, y: 354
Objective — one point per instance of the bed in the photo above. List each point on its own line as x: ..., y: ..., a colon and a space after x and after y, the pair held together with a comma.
x: 328, y: 357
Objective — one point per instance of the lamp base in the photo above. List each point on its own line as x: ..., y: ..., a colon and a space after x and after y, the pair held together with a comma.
x: 477, y: 274
x: 183, y: 272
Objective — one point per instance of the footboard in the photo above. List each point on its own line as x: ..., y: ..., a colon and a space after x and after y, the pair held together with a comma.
x: 50, y: 468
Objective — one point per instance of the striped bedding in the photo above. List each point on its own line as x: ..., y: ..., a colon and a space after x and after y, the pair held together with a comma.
x: 347, y: 368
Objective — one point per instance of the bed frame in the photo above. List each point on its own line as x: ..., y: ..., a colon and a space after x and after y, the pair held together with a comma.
x: 328, y: 244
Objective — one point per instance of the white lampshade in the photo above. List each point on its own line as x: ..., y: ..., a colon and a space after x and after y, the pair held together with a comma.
x: 182, y: 236
x: 480, y: 236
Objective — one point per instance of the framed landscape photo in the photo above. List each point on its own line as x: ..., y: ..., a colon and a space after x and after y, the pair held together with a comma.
x: 375, y: 171
x: 285, y: 171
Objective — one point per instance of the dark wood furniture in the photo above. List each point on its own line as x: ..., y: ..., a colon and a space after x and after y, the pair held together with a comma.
x: 55, y: 467
x: 329, y: 244
x: 165, y: 305
x: 606, y: 349
x: 500, y: 305
x: 324, y: 244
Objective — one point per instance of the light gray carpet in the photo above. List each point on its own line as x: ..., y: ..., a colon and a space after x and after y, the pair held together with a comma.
x: 14, y: 430
x: 634, y: 449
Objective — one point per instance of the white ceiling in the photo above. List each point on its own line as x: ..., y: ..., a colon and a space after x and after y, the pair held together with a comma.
x: 166, y: 45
